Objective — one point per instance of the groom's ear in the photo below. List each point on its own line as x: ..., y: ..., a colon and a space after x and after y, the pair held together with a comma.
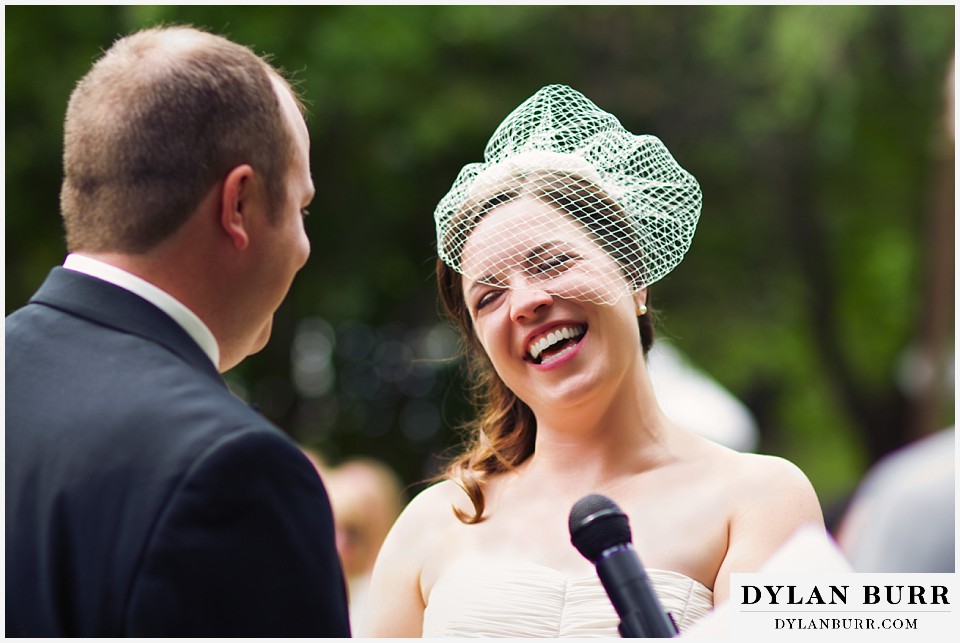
x: 237, y: 198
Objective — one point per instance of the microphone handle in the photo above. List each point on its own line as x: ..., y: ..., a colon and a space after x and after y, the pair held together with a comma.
x: 632, y: 595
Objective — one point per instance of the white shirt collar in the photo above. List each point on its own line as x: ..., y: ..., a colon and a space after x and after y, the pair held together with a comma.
x: 187, y: 319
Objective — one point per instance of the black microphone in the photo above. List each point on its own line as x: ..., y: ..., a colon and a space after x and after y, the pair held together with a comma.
x: 601, y: 532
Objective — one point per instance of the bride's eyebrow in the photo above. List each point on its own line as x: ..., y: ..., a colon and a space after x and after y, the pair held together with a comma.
x: 487, y: 280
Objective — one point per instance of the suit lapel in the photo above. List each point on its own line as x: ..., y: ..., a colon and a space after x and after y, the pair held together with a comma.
x: 112, y: 306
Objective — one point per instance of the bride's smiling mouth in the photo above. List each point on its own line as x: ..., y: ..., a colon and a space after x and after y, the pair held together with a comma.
x: 558, y: 341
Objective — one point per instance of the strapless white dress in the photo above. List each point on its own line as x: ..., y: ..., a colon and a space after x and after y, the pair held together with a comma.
x: 482, y: 598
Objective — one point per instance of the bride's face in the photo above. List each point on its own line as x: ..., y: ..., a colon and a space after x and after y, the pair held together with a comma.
x: 534, y: 294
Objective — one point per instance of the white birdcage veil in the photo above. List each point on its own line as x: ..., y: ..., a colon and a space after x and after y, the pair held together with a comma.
x: 625, y: 192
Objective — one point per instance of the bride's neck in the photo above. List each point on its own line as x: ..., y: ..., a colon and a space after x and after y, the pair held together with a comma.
x: 621, y: 440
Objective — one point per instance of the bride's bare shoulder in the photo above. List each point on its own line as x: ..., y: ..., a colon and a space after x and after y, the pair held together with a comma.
x: 769, y: 469
x: 435, y: 505
x: 755, y: 472
x: 753, y: 466
x: 768, y: 480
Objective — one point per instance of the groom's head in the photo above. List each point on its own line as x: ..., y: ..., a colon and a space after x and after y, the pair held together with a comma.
x: 186, y: 162
x: 157, y: 121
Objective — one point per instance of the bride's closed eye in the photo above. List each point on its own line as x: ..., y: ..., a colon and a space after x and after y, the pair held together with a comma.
x: 551, y: 265
x: 487, y: 298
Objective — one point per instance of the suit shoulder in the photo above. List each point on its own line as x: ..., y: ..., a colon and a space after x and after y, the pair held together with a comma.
x: 257, y: 442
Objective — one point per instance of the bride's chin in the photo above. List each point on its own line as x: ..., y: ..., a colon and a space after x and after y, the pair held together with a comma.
x: 569, y: 396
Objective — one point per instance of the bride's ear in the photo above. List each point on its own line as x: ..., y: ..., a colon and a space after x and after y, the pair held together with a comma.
x: 237, y: 195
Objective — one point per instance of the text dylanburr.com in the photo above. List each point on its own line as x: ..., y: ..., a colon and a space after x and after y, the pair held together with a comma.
x: 845, y: 606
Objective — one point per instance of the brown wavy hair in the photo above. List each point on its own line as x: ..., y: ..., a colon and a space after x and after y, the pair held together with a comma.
x: 502, y: 433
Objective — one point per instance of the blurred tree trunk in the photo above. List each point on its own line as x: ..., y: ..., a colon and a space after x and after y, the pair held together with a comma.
x: 933, y: 349
x: 879, y: 415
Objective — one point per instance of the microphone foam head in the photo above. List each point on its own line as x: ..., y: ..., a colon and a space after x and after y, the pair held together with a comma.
x: 596, y: 525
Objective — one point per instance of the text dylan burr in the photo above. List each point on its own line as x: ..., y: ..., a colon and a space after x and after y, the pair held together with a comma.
x: 838, y: 594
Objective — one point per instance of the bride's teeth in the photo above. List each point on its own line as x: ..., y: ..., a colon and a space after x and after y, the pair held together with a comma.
x: 537, y: 348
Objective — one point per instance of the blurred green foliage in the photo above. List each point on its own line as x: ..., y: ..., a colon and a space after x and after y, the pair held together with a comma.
x: 816, y: 133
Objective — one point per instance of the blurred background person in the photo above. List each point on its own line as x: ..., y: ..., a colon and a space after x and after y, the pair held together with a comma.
x: 903, y: 516
x: 366, y: 496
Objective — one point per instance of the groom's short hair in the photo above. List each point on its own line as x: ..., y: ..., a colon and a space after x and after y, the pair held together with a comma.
x: 163, y: 116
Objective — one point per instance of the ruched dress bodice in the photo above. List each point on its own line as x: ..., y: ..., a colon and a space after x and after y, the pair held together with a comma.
x: 483, y: 598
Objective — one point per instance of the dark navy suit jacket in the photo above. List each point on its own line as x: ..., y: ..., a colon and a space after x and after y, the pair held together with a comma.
x: 142, y: 497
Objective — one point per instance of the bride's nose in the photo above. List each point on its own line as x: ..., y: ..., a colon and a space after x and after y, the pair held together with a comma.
x: 526, y: 303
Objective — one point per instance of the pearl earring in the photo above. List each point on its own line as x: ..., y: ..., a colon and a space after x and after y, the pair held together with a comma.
x: 641, y: 310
